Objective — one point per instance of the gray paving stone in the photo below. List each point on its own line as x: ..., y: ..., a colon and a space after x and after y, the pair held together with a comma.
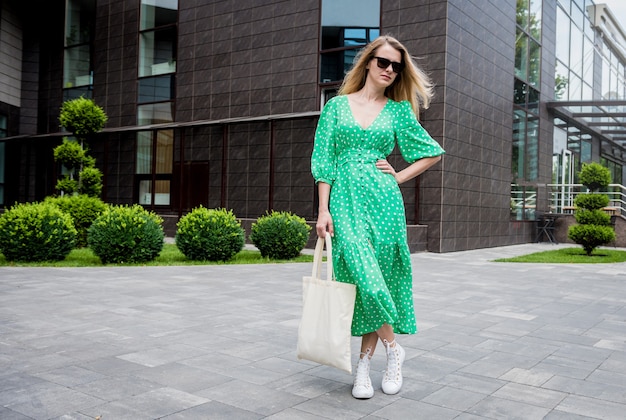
x: 592, y: 407
x: 215, y: 411
x: 500, y: 408
x: 496, y: 341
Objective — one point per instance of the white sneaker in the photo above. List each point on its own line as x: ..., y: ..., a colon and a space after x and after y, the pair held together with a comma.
x: 392, y: 381
x: 362, y: 388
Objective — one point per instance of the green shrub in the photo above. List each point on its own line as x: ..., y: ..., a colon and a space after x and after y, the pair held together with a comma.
x: 591, y: 201
x: 595, y: 176
x: 67, y: 185
x: 70, y: 154
x: 91, y: 181
x: 83, y: 209
x: 209, y: 234
x: 280, y: 235
x: 591, y: 236
x: 593, y: 217
x: 126, y: 234
x: 36, y: 232
x: 82, y: 117
x: 594, y: 227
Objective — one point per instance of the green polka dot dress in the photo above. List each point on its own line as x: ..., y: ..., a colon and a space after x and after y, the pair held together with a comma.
x: 369, y: 246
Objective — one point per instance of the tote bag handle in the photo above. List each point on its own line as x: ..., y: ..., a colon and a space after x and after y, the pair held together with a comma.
x: 318, y: 257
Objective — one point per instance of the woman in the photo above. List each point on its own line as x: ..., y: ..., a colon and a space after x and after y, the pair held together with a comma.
x: 360, y: 204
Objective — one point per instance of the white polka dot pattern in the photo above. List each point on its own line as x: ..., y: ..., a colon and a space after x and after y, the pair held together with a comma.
x: 370, y: 245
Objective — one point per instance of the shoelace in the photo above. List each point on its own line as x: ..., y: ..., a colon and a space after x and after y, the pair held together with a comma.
x: 393, y: 367
x: 362, y: 374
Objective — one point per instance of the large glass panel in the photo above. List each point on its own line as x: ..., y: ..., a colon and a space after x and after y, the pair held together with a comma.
x: 521, y: 55
x: 144, y: 152
x: 520, y: 93
x: 77, y: 67
x: 606, y: 75
x: 519, y: 144
x: 3, y: 126
x: 164, y: 151
x: 347, y: 26
x: 534, y: 23
x: 78, y: 21
x: 156, y: 89
x: 532, y: 147
x: 585, y: 148
x: 157, y: 52
x: 575, y: 88
x: 533, y: 100
x: 79, y: 17
x: 154, y: 113
x: 534, y: 62
x: 562, y: 36
x: 523, y: 7
x: 155, y: 13
x: 588, y: 55
x: 576, y: 51
x: 561, y: 81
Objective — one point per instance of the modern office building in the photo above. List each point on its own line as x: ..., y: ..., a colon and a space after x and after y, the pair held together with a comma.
x: 215, y: 103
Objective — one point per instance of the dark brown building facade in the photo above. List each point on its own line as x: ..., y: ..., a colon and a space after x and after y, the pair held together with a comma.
x: 215, y: 103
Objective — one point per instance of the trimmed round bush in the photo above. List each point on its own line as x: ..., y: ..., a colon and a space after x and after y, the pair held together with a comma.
x: 83, y: 209
x: 209, y: 234
x: 33, y: 232
x: 591, y: 236
x: 126, y: 234
x: 591, y: 201
x: 592, y: 217
x: 280, y: 235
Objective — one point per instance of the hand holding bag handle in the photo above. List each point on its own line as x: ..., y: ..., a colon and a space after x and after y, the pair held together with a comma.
x: 327, y: 309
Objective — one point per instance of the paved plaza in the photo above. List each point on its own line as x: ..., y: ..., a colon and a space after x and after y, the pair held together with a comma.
x: 496, y: 341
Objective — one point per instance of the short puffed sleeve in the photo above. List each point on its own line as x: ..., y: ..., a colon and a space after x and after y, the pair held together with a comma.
x: 413, y: 140
x: 324, y: 157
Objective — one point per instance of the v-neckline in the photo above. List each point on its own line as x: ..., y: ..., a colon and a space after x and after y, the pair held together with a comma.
x: 373, y: 121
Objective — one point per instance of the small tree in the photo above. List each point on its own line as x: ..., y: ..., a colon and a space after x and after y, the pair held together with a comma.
x: 83, y: 118
x: 594, y: 225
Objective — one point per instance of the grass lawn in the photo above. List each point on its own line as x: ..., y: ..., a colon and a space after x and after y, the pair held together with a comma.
x: 170, y: 255
x: 571, y: 256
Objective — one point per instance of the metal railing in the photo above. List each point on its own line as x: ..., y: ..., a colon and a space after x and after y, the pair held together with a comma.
x: 562, y: 197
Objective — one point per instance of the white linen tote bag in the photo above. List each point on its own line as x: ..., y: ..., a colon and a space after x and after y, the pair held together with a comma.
x: 327, y: 308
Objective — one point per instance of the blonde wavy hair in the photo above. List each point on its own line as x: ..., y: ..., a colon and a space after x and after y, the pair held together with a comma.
x: 411, y: 84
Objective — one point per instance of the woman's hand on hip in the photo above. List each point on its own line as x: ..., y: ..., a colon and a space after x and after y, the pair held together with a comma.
x: 324, y: 224
x: 386, y: 167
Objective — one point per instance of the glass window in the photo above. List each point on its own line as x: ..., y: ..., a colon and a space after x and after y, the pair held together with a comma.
x: 532, y: 147
x: 562, y: 36
x: 521, y: 55
x: 347, y: 25
x: 157, y: 52
x: 144, y: 152
x: 521, y: 89
x: 534, y: 24
x: 561, y: 81
x: 156, y: 89
x: 534, y: 63
x: 154, y: 166
x: 78, y: 21
x: 155, y: 113
x: 576, y: 51
x: 156, y: 13
x: 77, y: 62
x: 523, y: 7
x: 3, y: 126
x: 519, y: 144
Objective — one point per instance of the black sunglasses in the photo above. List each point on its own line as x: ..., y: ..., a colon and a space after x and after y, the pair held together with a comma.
x: 383, y: 63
